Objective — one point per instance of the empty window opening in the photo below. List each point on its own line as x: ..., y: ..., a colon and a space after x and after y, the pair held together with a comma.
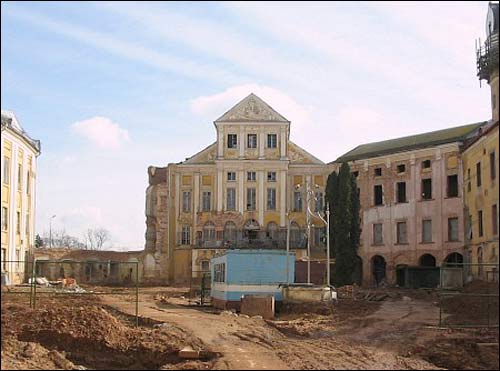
x: 401, y: 192
x: 452, y: 189
x: 427, y: 189
x: 379, y: 195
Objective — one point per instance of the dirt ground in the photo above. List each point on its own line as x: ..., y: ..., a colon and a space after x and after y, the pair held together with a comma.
x: 74, y: 333
x: 398, y: 332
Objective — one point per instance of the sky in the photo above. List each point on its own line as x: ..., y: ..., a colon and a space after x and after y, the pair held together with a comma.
x: 112, y: 88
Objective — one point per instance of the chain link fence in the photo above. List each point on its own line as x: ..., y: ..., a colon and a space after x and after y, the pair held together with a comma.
x: 42, y: 282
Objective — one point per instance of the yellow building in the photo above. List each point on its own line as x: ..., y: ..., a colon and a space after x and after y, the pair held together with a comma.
x: 239, y: 192
x: 18, y: 178
x: 480, y: 164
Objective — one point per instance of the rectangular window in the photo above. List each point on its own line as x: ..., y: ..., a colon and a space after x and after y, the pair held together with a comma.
x: 493, y: 167
x: 471, y: 229
x: 271, y: 199
x: 401, y: 168
x: 469, y: 183
x: 19, y: 177
x: 186, y: 201
x: 28, y: 183
x: 231, y: 199
x: 252, y: 141
x: 426, y: 231
x: 401, y: 192
x: 4, y: 259
x: 231, y: 176
x: 452, y: 189
x: 480, y: 222
x: 378, y: 171
x: 271, y: 176
x: 453, y: 229
x: 318, y: 201
x: 378, y: 195
x: 5, y: 216
x: 18, y: 223
x: 355, y: 174
x: 272, y: 140
x: 478, y: 174
x: 402, y: 235
x: 27, y: 225
x: 232, y: 141
x: 220, y: 272
x: 205, y: 265
x: 251, y: 176
x: 297, y: 201
x: 378, y: 237
x: 206, y: 200
x: 427, y: 189
x: 186, y: 235
x: 426, y: 164
x: 318, y: 234
x: 251, y: 199
x: 6, y: 170
x: 494, y: 220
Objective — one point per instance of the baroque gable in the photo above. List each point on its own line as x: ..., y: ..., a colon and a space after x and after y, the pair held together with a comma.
x: 205, y: 156
x: 299, y: 155
x: 252, y: 109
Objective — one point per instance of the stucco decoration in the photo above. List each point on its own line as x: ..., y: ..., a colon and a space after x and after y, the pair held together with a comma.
x: 205, y: 156
x: 301, y: 156
x: 252, y: 108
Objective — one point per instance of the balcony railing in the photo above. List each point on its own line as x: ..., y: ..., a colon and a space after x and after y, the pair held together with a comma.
x: 487, y: 57
x: 242, y: 239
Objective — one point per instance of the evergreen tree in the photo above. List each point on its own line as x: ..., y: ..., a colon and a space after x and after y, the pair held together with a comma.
x: 343, y: 198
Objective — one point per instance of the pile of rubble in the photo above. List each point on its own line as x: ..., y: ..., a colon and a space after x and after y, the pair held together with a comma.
x: 68, y: 285
x: 72, y: 334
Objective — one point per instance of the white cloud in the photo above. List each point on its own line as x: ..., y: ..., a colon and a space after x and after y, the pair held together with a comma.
x: 102, y: 132
x: 213, y: 106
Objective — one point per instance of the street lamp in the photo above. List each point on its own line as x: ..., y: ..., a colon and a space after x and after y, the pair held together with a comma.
x: 310, y: 194
x: 50, y: 230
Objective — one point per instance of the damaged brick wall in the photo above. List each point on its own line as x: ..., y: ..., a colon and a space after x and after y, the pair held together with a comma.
x: 157, y: 219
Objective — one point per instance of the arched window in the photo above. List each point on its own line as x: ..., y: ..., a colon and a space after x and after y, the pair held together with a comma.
x: 295, y: 235
x: 251, y: 229
x: 209, y: 231
x: 230, y: 231
x: 427, y: 260
x: 272, y: 230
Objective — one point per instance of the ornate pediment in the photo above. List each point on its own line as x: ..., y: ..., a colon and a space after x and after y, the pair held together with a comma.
x: 205, y: 156
x: 252, y: 109
x: 299, y: 155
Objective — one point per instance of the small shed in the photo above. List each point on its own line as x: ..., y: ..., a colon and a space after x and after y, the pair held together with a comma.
x: 240, y: 272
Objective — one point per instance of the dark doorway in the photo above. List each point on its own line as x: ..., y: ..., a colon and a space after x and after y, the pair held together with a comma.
x: 378, y: 269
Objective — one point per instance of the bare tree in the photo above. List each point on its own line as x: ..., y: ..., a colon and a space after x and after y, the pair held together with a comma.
x: 96, y: 238
x: 101, y: 236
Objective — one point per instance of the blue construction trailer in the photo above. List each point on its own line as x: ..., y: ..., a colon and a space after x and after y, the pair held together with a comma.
x: 249, y: 272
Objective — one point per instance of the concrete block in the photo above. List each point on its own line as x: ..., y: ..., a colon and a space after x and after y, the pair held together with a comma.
x: 189, y: 353
x: 258, y: 305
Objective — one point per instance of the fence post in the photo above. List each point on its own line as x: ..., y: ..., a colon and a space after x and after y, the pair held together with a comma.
x: 137, y: 294
x: 440, y: 309
x: 34, y: 287
x: 32, y: 282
